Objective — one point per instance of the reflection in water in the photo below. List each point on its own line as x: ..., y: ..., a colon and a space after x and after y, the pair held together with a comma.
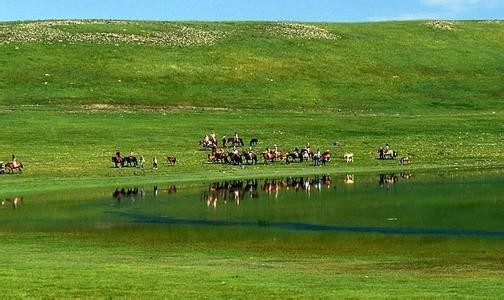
x: 349, y: 179
x: 236, y: 190
x: 132, y: 193
x: 139, y: 193
x: 387, y: 180
x: 14, y: 200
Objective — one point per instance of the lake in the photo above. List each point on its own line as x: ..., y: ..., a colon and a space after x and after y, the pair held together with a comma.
x: 462, y: 204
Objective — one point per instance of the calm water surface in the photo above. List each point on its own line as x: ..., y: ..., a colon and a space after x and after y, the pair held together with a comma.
x: 456, y: 205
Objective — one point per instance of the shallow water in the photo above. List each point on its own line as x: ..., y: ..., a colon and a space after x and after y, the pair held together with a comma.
x: 456, y: 205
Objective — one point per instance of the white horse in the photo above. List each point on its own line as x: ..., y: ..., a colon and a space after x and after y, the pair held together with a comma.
x: 348, y: 157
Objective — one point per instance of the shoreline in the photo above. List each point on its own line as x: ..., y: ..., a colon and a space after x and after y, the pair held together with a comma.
x: 40, y: 185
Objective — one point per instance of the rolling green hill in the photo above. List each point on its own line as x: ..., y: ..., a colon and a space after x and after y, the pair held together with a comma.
x: 392, y: 66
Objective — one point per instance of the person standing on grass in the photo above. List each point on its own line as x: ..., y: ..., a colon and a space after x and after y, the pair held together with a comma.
x: 142, y: 162
x: 154, y: 163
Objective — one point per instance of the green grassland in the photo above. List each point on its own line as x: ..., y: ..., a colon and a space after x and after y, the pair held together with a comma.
x: 88, y: 244
x: 71, y: 93
x: 67, y: 105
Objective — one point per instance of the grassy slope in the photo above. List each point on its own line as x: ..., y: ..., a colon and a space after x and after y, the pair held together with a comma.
x: 435, y: 68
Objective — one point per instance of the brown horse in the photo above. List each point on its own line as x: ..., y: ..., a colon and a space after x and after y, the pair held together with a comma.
x: 250, y: 157
x: 118, y: 161
x: 10, y: 167
x: 325, y: 157
x: 271, y: 156
x: 171, y: 160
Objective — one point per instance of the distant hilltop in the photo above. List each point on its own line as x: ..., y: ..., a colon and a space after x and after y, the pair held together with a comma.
x: 171, y: 33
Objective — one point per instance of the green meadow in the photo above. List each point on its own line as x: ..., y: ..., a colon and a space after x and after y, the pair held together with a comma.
x: 74, y: 92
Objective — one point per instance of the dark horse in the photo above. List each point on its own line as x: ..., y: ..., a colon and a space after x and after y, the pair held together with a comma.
x: 118, y: 161
x: 250, y: 157
x: 131, y: 161
x: 10, y: 167
x: 235, y: 141
x: 234, y: 159
x: 253, y: 142
x: 292, y: 156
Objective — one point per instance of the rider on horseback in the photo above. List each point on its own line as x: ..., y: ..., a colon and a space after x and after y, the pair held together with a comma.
x: 234, y: 151
x: 14, y: 163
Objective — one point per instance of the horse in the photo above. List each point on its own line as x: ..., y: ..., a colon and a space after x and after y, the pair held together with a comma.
x: 131, y: 161
x: 390, y: 154
x: 325, y: 157
x: 234, y: 159
x: 348, y: 157
x: 404, y: 160
x: 250, y: 157
x: 2, y: 167
x: 118, y: 161
x: 305, y: 155
x: 207, y: 144
x: 236, y: 141
x: 171, y: 160
x: 293, y: 155
x: 10, y: 167
x: 253, y: 142
x: 269, y: 155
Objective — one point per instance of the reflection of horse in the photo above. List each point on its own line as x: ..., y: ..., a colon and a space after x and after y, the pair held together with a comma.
x: 10, y: 167
x: 349, y: 179
x: 172, y: 190
x: 15, y: 201
x: 386, y: 180
x: 119, y: 194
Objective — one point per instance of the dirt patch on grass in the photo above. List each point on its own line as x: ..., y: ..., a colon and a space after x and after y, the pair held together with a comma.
x: 443, y: 25
x: 130, y: 108
x: 301, y: 31
x: 50, y: 32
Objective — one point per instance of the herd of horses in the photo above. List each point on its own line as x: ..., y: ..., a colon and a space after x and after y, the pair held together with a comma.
x: 222, y: 155
x: 269, y: 156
